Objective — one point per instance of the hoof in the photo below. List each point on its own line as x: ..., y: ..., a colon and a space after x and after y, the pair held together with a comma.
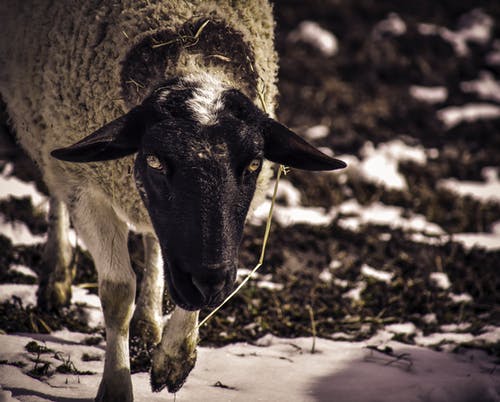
x: 171, y: 371
x: 118, y: 388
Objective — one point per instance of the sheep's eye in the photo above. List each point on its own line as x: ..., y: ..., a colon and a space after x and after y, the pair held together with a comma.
x: 154, y: 163
x: 254, y: 165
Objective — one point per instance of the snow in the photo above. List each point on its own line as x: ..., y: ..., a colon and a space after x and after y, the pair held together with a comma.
x: 487, y: 241
x: 355, y: 293
x: 276, y: 369
x: 460, y: 298
x: 19, y: 233
x: 12, y: 186
x: 380, y: 164
x: 27, y: 293
x: 486, y: 87
x: 392, y: 25
x: 22, y: 269
x: 287, y: 216
x: 452, y: 116
x: 440, y: 279
x: 483, y: 191
x: 325, y: 276
x: 270, y: 285
x: 406, y: 328
x: 475, y: 27
x: 429, y: 95
x: 286, y: 192
x: 312, y: 33
x: 376, y: 274
x: 381, y: 214
x: 317, y: 132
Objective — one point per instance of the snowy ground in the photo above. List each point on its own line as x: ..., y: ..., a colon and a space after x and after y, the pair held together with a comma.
x: 272, y: 369
x: 397, y: 255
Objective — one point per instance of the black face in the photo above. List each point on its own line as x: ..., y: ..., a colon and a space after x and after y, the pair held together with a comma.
x: 199, y: 154
x: 198, y: 191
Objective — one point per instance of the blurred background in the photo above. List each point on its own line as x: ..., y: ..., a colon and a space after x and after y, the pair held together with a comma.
x: 406, y: 239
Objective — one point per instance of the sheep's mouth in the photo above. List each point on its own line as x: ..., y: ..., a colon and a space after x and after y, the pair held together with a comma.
x: 185, y: 293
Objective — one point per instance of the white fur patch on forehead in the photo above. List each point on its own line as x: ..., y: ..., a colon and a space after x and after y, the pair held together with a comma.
x: 206, y: 101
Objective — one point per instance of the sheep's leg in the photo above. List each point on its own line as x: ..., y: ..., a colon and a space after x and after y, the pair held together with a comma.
x: 175, y: 356
x: 147, y: 319
x: 56, y: 272
x: 105, y: 236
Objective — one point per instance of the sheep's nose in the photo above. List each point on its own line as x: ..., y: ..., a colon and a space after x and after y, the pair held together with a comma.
x: 211, y: 283
x: 208, y: 289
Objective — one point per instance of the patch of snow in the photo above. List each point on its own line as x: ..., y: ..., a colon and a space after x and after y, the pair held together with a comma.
x: 335, y: 370
x: 440, y: 279
x: 380, y: 165
x: 463, y: 326
x: 451, y: 116
x: 474, y: 27
x: 27, y: 293
x: 243, y: 272
x: 286, y: 191
x: 392, y: 25
x: 12, y: 186
x: 438, y: 338
x: 460, y: 298
x: 406, y: 328
x: 341, y: 283
x: 377, y: 274
x: 327, y: 151
x: 317, y: 132
x: 491, y: 335
x: 483, y: 191
x: 270, y: 285
x: 288, y: 216
x: 429, y: 318
x: 312, y: 33
x: 355, y: 293
x: 23, y: 269
x: 429, y: 95
x: 91, y: 305
x: 335, y: 264
x: 385, y: 236
x: 325, y: 276
x: 486, y: 87
x: 19, y: 233
x: 381, y: 214
x: 432, y: 240
x: 487, y: 241
x: 74, y: 240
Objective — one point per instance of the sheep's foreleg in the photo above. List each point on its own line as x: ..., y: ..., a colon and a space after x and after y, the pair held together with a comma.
x: 56, y: 272
x: 175, y: 356
x: 106, y: 238
x: 147, y: 319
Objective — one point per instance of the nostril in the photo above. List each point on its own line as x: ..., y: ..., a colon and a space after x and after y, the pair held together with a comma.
x: 207, y: 288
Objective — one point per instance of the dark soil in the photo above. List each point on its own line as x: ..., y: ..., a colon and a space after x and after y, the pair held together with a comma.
x: 362, y: 95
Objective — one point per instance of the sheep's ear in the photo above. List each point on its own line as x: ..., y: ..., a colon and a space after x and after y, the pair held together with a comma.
x: 283, y: 146
x: 117, y: 139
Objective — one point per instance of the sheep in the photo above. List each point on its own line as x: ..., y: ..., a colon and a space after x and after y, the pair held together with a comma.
x: 179, y: 99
